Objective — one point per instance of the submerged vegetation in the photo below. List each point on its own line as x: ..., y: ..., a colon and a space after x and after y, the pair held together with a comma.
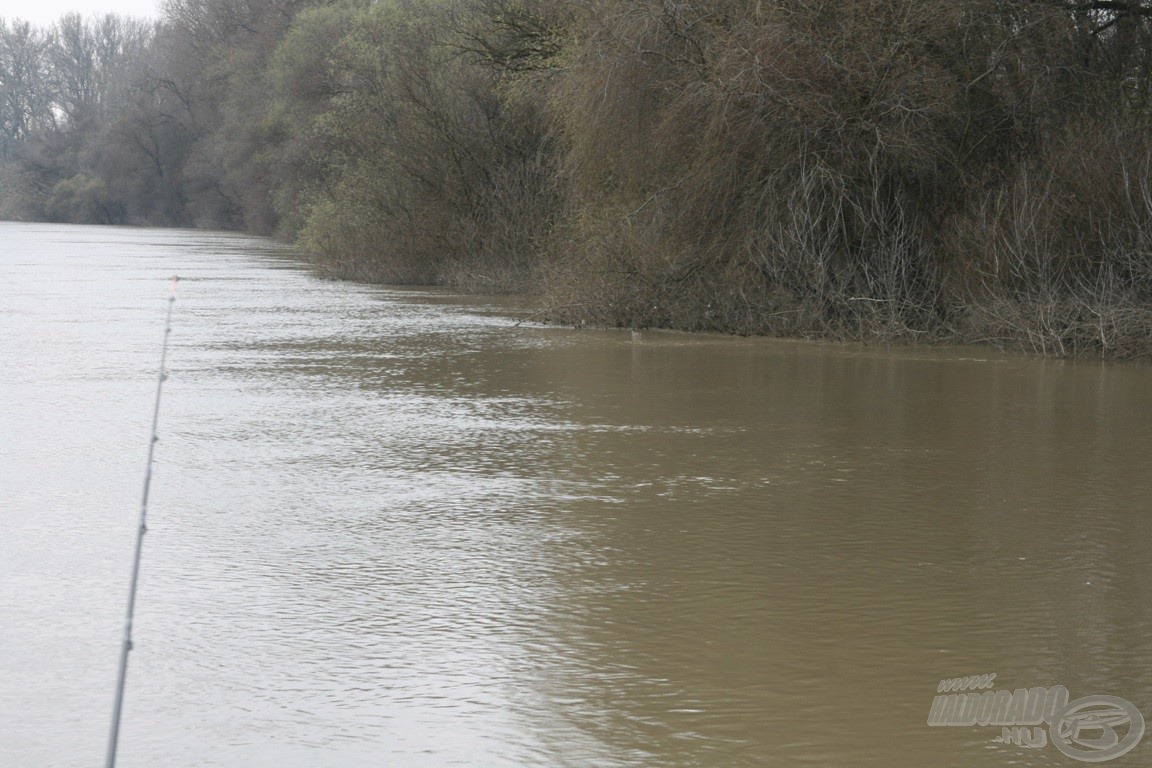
x: 975, y: 170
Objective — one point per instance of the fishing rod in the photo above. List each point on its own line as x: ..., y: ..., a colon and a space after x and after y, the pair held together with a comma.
x: 126, y: 646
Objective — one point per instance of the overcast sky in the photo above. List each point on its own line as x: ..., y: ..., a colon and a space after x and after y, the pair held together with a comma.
x: 43, y: 12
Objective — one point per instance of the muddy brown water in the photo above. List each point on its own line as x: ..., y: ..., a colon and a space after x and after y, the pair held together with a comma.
x: 392, y: 528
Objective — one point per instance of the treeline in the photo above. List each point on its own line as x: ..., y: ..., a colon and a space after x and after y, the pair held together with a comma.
x: 62, y: 92
x: 866, y: 169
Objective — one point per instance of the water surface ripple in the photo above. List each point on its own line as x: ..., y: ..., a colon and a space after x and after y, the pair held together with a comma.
x: 390, y: 527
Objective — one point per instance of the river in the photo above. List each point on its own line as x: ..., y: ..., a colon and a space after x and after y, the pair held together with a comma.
x: 393, y: 528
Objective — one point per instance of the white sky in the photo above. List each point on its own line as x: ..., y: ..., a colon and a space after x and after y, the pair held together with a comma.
x: 43, y: 13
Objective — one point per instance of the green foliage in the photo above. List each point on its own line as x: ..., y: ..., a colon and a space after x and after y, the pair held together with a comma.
x: 857, y: 169
x: 85, y: 200
x: 418, y: 149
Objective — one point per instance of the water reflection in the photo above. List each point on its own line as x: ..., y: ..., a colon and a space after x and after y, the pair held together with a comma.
x: 394, y: 528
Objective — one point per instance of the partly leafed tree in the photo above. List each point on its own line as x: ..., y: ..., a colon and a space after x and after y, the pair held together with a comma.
x: 92, y: 63
x: 25, y: 91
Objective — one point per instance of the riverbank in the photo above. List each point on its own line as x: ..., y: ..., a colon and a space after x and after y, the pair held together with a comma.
x: 888, y: 171
x: 1105, y: 323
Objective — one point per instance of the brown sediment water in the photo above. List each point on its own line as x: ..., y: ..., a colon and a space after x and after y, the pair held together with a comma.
x: 391, y: 527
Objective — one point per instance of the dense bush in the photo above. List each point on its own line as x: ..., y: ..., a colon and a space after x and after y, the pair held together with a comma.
x: 848, y: 169
x: 868, y: 169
